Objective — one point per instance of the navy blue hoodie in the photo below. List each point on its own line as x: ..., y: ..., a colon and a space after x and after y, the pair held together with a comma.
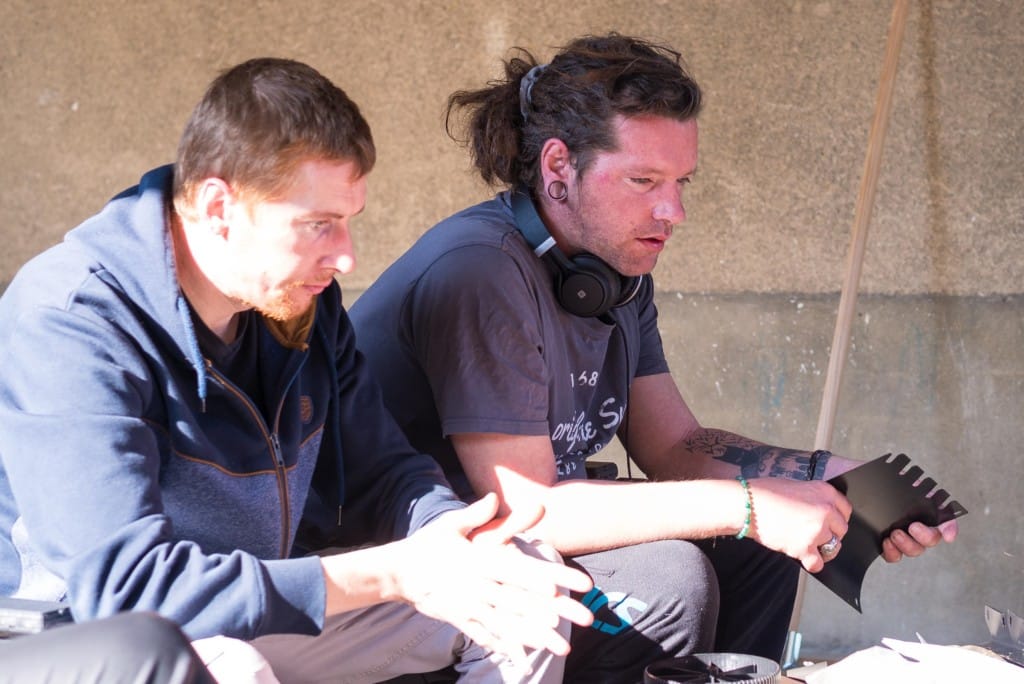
x: 134, y: 476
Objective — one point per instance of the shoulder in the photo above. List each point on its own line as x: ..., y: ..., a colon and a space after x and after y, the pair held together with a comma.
x: 476, y: 247
x: 486, y: 225
x: 641, y: 304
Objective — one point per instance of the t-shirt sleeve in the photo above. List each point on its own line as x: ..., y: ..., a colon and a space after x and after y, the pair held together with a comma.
x: 652, y: 355
x: 474, y: 326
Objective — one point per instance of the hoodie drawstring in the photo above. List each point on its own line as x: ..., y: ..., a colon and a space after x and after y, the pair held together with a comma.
x: 335, y: 419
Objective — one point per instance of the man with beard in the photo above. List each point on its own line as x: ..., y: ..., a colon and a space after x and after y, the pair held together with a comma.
x: 520, y: 336
x: 184, y: 419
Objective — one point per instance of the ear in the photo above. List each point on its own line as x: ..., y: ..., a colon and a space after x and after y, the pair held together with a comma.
x: 556, y: 163
x: 214, y: 200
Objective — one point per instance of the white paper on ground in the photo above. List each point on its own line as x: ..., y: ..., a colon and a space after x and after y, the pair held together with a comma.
x: 912, y: 663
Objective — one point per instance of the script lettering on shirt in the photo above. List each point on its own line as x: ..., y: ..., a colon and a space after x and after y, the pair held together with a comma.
x: 574, y: 431
x: 567, y: 465
x: 571, y: 465
x: 613, y: 416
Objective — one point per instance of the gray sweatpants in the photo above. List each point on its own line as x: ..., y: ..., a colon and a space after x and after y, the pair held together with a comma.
x: 392, y: 639
x: 672, y: 598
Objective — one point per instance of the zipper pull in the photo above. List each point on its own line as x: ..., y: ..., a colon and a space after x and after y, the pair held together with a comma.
x: 276, y: 443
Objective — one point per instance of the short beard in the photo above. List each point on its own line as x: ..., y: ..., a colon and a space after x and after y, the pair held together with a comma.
x: 281, y: 308
x: 283, y: 311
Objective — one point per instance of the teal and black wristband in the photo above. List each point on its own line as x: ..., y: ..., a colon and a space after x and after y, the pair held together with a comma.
x: 816, y: 466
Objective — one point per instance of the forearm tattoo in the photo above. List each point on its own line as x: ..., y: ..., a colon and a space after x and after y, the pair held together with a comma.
x: 753, y: 459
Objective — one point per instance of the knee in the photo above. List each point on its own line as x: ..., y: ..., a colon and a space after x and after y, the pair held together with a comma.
x: 149, y: 627
x: 667, y: 591
x: 679, y: 563
x: 150, y: 632
x: 688, y: 575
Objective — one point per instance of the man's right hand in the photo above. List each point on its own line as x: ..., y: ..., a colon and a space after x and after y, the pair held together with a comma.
x: 497, y: 595
x: 466, y: 568
x: 796, y: 517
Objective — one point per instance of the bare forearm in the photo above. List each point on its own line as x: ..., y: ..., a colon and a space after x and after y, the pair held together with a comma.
x: 583, y: 517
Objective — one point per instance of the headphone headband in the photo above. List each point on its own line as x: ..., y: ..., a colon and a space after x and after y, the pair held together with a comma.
x: 585, y: 285
x: 529, y: 223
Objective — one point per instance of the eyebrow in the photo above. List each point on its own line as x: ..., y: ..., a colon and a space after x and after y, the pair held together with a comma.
x: 650, y: 170
x: 316, y: 213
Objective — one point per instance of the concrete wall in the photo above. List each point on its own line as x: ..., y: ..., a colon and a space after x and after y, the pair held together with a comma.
x: 94, y: 93
x: 939, y: 378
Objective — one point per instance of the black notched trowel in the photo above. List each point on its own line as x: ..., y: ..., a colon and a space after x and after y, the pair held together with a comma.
x: 886, y: 495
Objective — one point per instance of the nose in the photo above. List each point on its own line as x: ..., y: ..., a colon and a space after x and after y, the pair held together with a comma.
x: 342, y: 255
x: 670, y: 209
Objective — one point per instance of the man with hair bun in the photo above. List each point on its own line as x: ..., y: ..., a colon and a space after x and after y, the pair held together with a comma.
x: 518, y: 337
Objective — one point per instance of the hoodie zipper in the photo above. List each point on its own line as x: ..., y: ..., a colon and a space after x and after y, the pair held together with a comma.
x: 282, y: 487
x: 274, y: 444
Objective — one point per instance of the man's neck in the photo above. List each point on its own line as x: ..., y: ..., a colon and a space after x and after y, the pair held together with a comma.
x: 218, y: 312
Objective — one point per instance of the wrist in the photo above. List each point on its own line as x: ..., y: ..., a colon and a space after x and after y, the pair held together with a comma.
x: 748, y: 509
x: 362, y: 577
x: 393, y: 582
x: 818, y: 462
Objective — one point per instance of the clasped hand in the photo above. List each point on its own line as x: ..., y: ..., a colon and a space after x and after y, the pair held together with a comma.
x: 467, y: 569
x: 797, y: 518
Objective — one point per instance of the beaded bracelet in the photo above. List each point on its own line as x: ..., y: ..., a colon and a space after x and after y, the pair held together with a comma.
x: 750, y: 507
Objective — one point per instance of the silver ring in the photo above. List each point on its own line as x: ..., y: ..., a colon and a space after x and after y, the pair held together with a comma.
x: 830, y: 547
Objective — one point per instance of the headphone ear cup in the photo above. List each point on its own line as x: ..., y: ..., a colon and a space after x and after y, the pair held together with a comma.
x: 588, y: 287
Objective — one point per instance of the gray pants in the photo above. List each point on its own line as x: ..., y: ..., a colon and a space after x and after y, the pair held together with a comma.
x: 129, y: 648
x: 649, y: 601
x: 392, y: 639
x: 672, y: 598
x: 381, y: 642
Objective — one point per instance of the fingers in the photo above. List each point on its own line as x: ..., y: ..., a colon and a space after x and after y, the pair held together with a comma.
x: 574, y: 611
x: 505, y: 596
x: 525, y: 619
x: 798, y: 518
x: 475, y: 515
x: 912, y: 542
x: 507, y: 565
x: 491, y: 641
x: 506, y: 618
x: 949, y: 530
x: 924, y: 536
x: 917, y: 539
x: 501, y: 530
x: 900, y: 544
x: 828, y: 542
x: 843, y: 507
x: 570, y: 579
x: 890, y: 554
x: 814, y: 560
x: 530, y: 617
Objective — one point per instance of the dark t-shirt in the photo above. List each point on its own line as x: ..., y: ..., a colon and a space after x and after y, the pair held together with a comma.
x: 465, y: 334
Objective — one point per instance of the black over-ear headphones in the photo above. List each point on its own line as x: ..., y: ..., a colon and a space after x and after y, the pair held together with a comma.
x: 585, y: 285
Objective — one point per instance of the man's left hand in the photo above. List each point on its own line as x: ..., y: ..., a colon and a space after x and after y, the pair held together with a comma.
x: 916, y: 540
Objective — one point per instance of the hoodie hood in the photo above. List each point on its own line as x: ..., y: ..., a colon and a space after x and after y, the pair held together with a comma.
x: 137, y: 221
